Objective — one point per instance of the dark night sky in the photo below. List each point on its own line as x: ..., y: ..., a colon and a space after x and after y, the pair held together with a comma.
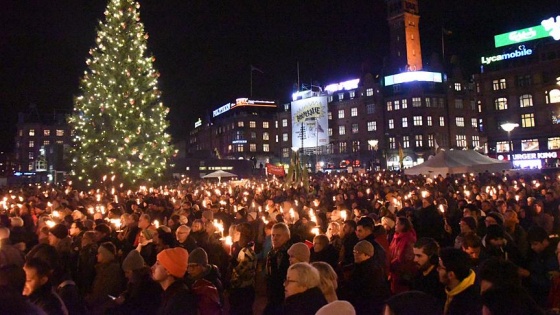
x: 204, y: 49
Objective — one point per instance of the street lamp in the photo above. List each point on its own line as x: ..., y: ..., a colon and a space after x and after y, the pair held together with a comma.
x: 373, y: 143
x: 509, y: 127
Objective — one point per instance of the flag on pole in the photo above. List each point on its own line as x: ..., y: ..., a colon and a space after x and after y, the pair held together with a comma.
x: 256, y: 69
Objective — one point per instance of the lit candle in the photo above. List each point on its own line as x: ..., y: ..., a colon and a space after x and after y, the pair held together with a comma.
x: 156, y: 223
x: 343, y: 215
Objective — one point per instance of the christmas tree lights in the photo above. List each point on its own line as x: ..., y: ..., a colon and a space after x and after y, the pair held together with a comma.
x: 119, y: 123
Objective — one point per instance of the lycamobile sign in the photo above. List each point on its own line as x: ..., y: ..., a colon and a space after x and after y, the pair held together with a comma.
x: 520, y: 52
x: 548, y: 27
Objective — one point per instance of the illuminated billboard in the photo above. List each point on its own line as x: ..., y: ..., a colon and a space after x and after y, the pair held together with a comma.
x: 422, y: 76
x: 548, y: 28
x: 310, y: 122
x: 521, y: 51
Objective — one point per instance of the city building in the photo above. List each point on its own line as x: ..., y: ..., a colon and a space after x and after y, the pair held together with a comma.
x: 519, y: 95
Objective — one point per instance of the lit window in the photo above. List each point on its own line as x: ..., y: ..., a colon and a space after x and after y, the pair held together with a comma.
x: 371, y: 125
x: 416, y: 102
x: 253, y: 147
x: 428, y: 102
x: 355, y: 146
x: 330, y: 132
x: 389, y: 106
x: 284, y: 122
x: 340, y: 96
x: 405, y: 122
x: 554, y: 143
x: 340, y: 113
x: 530, y: 145
x: 461, y: 141
x: 501, y: 103
x: 265, y: 124
x: 417, y: 120
x: 341, y: 130
x: 31, y: 132
x: 285, y: 152
x: 392, y: 144
x: 404, y: 103
x: 240, y: 124
x: 502, y: 146
x: 397, y: 105
x: 354, y: 111
x: 342, y: 147
x: 474, y: 123
x: 431, y: 141
x: 442, y: 121
x: 391, y: 124
x: 418, y: 141
x: 429, y: 120
x: 526, y: 100
x: 457, y: 86
x: 266, y: 147
x: 276, y: 124
x: 285, y: 137
x: 252, y: 124
x: 46, y: 142
x: 46, y: 132
x: 30, y: 156
x: 266, y: 136
x: 460, y: 121
x: 354, y: 128
x: 277, y: 138
x: 352, y: 94
x: 238, y: 148
x: 406, y: 142
x: 553, y: 96
x: 369, y: 92
x: 31, y: 144
x: 528, y: 120
x: 476, y: 141
x: 499, y: 84
x: 330, y: 115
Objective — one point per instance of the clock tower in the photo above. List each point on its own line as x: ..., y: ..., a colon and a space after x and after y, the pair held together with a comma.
x: 405, y: 51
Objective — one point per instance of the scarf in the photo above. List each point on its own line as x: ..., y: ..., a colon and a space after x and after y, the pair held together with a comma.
x: 463, y: 285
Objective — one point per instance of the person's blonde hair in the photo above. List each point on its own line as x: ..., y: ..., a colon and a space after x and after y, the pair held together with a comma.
x: 328, y: 277
x: 307, y: 275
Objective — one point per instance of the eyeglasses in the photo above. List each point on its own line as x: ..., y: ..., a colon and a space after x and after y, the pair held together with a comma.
x: 286, y: 282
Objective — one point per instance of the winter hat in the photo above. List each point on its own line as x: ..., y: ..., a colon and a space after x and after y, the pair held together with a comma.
x: 108, y: 250
x: 133, y: 261
x: 497, y: 216
x: 337, y: 308
x: 59, y: 230
x: 198, y: 256
x: 253, y: 215
x: 174, y: 260
x: 300, y: 251
x: 494, y: 232
x: 388, y: 221
x: 364, y: 247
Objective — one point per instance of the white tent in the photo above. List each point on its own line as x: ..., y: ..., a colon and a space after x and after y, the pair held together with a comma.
x: 457, y: 162
x: 219, y: 174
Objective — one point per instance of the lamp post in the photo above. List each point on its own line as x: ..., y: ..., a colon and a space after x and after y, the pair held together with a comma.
x: 509, y: 127
x: 373, y: 143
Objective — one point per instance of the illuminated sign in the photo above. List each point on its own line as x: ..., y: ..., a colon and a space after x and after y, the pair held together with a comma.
x: 346, y: 85
x: 239, y: 142
x: 198, y: 123
x: 548, y: 27
x: 520, y: 52
x: 536, y: 155
x: 524, y: 35
x: 221, y: 110
x: 422, y: 76
x: 310, y: 122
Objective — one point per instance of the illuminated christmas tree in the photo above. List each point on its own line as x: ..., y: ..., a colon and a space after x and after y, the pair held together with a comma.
x: 119, y: 122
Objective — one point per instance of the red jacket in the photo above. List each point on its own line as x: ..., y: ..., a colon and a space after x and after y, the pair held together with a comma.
x: 402, y: 266
x: 207, y: 297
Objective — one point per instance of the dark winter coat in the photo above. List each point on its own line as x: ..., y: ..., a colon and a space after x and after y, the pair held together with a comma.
x: 46, y: 299
x: 178, y: 300
x: 305, y: 303
x: 467, y: 302
x: 142, y: 296
x: 85, y: 273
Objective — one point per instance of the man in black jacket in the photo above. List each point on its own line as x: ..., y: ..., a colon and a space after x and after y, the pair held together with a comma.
x: 364, y: 231
x: 277, y: 263
x: 427, y: 279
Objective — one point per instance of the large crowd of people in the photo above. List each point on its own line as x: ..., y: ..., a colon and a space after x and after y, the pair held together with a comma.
x: 350, y: 243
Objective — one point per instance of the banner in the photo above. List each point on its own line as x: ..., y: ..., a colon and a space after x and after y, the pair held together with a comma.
x: 310, y: 122
x: 275, y: 170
